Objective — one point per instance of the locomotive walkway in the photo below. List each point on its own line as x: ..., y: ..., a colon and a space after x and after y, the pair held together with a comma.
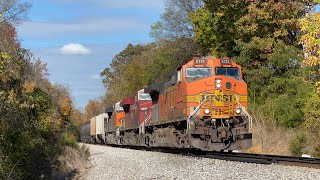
x: 119, y: 163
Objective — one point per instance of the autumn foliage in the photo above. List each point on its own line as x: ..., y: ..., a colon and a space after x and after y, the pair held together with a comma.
x: 310, y: 26
x: 35, y: 115
x: 93, y: 108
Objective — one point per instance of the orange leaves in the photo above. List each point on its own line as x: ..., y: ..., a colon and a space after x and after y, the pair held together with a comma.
x: 28, y: 87
x: 93, y: 108
x: 65, y: 106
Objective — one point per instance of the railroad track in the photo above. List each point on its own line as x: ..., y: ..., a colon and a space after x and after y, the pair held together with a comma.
x: 264, y: 159
x: 240, y: 157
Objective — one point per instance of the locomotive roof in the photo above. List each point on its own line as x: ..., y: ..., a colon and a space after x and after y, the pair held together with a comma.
x: 154, y: 87
x: 109, y: 109
x: 127, y: 101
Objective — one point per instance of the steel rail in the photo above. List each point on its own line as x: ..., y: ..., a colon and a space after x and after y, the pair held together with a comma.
x: 266, y: 159
x: 236, y: 156
x: 260, y: 158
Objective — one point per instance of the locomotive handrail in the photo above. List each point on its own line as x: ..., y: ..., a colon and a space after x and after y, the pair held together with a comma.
x: 194, y: 112
x: 246, y: 114
x: 142, y: 127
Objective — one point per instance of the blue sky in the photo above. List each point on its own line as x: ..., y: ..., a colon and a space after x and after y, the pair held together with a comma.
x: 78, y: 39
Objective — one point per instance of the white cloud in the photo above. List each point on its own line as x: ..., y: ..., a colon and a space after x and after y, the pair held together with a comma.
x: 74, y: 49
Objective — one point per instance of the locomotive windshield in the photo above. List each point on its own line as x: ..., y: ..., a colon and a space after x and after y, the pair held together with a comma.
x: 227, y: 71
x: 198, y: 72
x: 144, y: 96
x: 119, y: 108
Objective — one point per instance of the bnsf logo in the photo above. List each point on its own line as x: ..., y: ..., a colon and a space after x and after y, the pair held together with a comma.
x: 219, y: 98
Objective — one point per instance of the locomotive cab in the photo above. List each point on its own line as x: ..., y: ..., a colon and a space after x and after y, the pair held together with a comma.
x: 119, y: 115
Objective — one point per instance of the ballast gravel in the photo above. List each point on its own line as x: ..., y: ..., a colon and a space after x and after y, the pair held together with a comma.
x: 119, y: 163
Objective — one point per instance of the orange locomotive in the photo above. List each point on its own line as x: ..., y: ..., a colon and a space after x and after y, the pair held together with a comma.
x: 203, y: 106
x: 115, y: 120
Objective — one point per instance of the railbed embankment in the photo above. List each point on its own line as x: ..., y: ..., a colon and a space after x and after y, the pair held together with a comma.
x: 119, y: 163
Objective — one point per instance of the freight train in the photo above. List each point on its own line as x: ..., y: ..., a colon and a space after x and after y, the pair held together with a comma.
x: 203, y: 106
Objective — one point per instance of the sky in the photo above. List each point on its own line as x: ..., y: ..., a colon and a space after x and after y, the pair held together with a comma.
x: 78, y: 38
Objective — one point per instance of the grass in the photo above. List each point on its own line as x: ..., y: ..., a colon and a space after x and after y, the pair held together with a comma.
x: 72, y: 162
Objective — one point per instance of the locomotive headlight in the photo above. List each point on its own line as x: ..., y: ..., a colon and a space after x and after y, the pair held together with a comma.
x: 206, y: 111
x: 237, y: 110
x: 218, y: 83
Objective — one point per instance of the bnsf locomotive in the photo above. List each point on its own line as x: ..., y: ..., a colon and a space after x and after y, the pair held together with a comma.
x: 203, y: 106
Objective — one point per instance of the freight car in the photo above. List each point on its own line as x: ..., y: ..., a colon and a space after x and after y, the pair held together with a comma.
x: 97, y: 128
x: 203, y: 106
x: 85, y: 133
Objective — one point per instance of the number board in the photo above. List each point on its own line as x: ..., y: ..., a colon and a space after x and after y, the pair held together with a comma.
x: 200, y: 61
x: 225, y: 61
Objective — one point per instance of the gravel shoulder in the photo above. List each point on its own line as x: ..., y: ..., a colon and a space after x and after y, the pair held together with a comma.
x: 118, y: 163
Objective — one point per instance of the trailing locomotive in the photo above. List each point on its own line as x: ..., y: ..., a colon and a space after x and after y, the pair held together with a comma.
x: 203, y: 106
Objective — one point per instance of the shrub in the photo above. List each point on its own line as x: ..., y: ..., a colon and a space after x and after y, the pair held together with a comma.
x: 298, y: 145
x: 71, y: 162
x: 68, y: 139
x: 312, y: 114
x: 316, y: 152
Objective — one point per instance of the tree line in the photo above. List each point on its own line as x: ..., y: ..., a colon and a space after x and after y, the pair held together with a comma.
x: 275, y: 42
x: 37, y: 118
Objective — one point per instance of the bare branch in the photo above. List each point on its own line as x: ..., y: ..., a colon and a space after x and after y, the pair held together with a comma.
x: 14, y: 11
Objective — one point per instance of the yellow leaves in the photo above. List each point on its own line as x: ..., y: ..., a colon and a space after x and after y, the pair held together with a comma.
x: 65, y: 106
x: 4, y: 59
x: 318, y: 87
x: 12, y: 97
x: 93, y: 108
x: 28, y: 87
x: 220, y: 14
x: 4, y: 56
x: 310, y: 27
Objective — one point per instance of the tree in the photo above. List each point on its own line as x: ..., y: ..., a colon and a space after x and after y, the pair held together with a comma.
x: 78, y: 118
x: 114, y: 75
x: 174, y: 21
x: 93, y: 108
x: 65, y: 106
x: 310, y: 39
x: 23, y: 121
x: 34, y: 113
x: 14, y: 11
x: 261, y: 35
x: 310, y: 27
